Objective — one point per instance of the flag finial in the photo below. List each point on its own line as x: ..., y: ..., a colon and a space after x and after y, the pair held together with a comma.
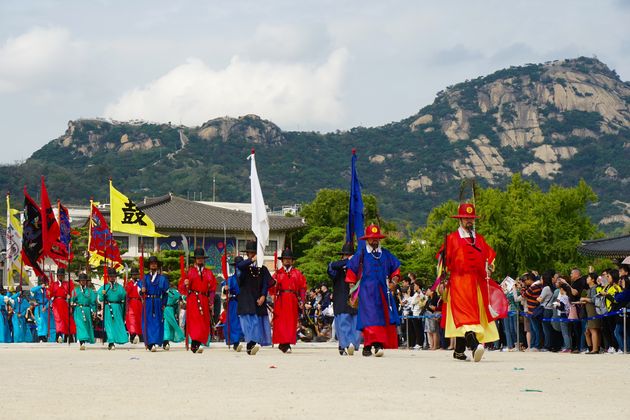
x: 253, y: 151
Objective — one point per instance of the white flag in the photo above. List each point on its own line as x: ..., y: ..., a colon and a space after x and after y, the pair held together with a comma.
x: 260, y: 221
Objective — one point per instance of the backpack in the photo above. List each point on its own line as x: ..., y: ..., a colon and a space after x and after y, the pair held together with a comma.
x: 600, y: 304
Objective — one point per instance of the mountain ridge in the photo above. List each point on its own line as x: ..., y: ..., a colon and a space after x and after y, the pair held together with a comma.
x: 555, y: 122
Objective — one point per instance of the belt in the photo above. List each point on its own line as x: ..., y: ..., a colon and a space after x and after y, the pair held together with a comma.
x: 78, y: 304
x: 154, y: 296
x: 287, y: 291
x: 135, y: 298
x: 109, y: 301
x: 198, y: 293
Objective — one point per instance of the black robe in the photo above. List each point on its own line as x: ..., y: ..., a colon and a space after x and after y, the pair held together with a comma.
x: 341, y: 289
x: 253, y: 282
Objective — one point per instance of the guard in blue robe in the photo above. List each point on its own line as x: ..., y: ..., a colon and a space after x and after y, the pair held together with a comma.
x: 377, y: 314
x: 345, y: 315
x: 232, y: 329
x: 43, y: 311
x: 21, y: 333
x: 154, y: 287
x: 253, y: 283
x: 5, y: 305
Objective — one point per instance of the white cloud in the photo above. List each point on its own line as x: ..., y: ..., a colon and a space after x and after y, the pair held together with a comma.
x: 36, y: 58
x: 290, y: 94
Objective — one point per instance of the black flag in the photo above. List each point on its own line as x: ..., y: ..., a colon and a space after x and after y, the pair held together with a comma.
x: 32, y: 242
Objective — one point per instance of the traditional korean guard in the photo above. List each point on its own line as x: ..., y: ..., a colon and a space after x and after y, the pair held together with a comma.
x: 469, y: 260
x: 133, y: 315
x: 84, y: 303
x: 289, y: 291
x: 376, y: 317
x: 345, y: 315
x: 113, y: 296
x: 154, y: 287
x: 254, y: 281
x: 199, y: 286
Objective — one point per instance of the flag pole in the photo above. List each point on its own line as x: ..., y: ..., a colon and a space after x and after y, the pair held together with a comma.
x: 227, y: 292
x: 6, y: 265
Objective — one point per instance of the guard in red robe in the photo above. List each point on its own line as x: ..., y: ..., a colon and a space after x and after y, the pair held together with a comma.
x: 289, y: 292
x: 59, y: 293
x: 199, y: 287
x: 466, y: 311
x: 133, y: 317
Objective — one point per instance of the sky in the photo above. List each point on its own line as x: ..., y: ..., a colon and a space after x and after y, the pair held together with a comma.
x: 305, y: 65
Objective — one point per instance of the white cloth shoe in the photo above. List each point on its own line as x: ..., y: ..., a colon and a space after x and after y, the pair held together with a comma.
x: 478, y: 353
x: 239, y: 347
x: 350, y: 350
x: 255, y: 349
x: 136, y: 340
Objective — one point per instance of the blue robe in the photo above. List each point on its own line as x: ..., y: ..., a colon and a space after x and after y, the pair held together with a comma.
x: 43, y: 312
x: 233, y: 324
x: 374, y: 300
x: 5, y: 332
x: 21, y: 333
x: 153, y: 314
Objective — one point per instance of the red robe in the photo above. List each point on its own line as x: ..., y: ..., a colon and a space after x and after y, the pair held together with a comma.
x: 198, y: 306
x: 58, y: 293
x: 288, y: 288
x: 467, y: 266
x: 133, y: 317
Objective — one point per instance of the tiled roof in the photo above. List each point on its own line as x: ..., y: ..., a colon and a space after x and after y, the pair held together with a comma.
x: 617, y: 248
x: 173, y: 212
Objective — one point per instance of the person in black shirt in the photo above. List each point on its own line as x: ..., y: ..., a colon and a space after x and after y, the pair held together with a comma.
x: 345, y: 315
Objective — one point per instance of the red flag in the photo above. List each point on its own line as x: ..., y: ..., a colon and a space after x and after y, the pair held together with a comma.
x: 51, y: 244
x: 224, y: 267
x: 65, y: 232
x: 102, y: 243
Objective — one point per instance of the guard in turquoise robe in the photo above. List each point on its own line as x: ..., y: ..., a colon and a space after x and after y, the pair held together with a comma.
x: 5, y: 305
x: 21, y: 333
x: 43, y: 311
x: 84, y: 304
x: 172, y: 331
x: 113, y: 297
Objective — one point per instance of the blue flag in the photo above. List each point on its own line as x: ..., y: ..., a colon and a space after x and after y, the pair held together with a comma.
x: 355, y: 211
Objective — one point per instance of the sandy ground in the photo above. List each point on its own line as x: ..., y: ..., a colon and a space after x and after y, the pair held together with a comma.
x: 55, y: 381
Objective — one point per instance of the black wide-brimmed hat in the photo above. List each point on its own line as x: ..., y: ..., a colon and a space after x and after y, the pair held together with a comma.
x: 111, y: 273
x: 153, y: 259
x: 61, y: 271
x: 251, y: 246
x: 134, y: 271
x: 199, y: 253
x: 237, y: 260
x: 83, y: 277
x: 287, y: 253
x: 347, y: 249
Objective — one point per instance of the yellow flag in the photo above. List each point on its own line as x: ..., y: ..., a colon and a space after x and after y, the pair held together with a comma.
x: 13, y: 264
x: 126, y: 217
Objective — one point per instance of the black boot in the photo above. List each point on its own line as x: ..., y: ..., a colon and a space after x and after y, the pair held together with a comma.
x: 460, y: 348
x: 471, y: 340
x: 367, y: 351
x: 378, y: 350
x: 250, y: 346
